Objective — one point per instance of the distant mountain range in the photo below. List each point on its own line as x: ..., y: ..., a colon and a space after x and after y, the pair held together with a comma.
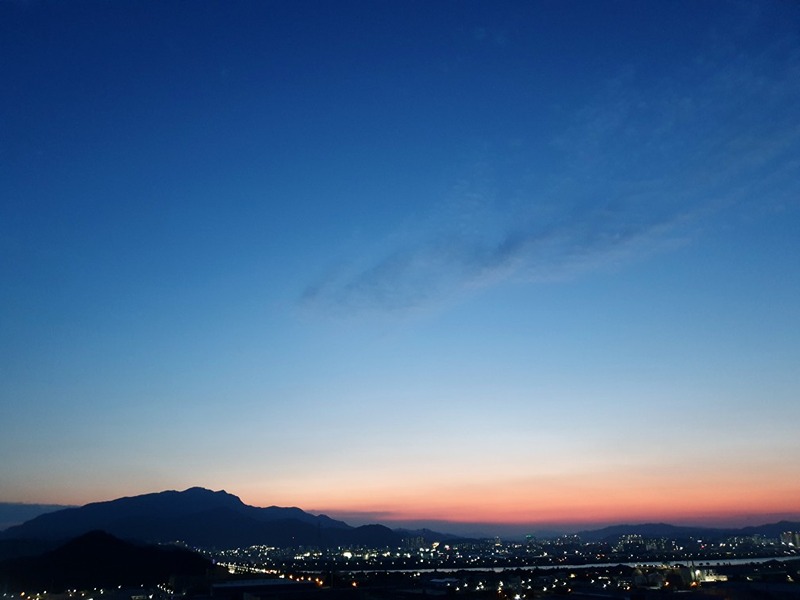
x: 203, y: 518
x: 656, y: 530
x: 14, y: 513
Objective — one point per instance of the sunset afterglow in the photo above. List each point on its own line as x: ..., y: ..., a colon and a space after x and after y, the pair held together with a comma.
x: 526, y: 263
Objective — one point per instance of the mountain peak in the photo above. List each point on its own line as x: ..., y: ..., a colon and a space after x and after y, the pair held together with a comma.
x: 218, y: 496
x: 196, y: 489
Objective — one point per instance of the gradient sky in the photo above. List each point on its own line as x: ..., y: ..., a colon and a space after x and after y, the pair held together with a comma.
x: 521, y: 262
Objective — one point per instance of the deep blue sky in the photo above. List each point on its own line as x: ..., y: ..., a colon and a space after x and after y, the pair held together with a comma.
x: 523, y: 261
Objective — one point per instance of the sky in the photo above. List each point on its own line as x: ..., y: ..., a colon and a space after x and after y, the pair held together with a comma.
x: 517, y: 263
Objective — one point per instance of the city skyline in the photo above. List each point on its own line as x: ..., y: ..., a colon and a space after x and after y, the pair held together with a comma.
x: 526, y: 263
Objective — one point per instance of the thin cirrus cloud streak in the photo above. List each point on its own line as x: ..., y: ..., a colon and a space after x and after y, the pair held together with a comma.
x: 643, y: 168
x: 432, y: 270
x: 412, y: 277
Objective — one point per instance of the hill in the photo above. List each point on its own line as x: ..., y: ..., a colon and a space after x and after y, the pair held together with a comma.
x: 97, y: 560
x: 654, y: 530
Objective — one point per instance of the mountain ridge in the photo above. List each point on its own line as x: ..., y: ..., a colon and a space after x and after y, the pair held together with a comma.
x: 685, y: 531
x: 199, y: 517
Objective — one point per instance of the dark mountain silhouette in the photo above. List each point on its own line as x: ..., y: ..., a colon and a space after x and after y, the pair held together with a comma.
x: 429, y: 535
x: 200, y: 518
x: 771, y: 530
x: 613, y: 532
x: 97, y: 559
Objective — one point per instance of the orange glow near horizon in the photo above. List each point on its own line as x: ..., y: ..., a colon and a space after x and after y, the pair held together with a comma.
x: 731, y: 496
x: 591, y: 499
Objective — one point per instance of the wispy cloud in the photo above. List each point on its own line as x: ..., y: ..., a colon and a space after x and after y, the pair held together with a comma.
x: 438, y: 268
x: 641, y: 167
